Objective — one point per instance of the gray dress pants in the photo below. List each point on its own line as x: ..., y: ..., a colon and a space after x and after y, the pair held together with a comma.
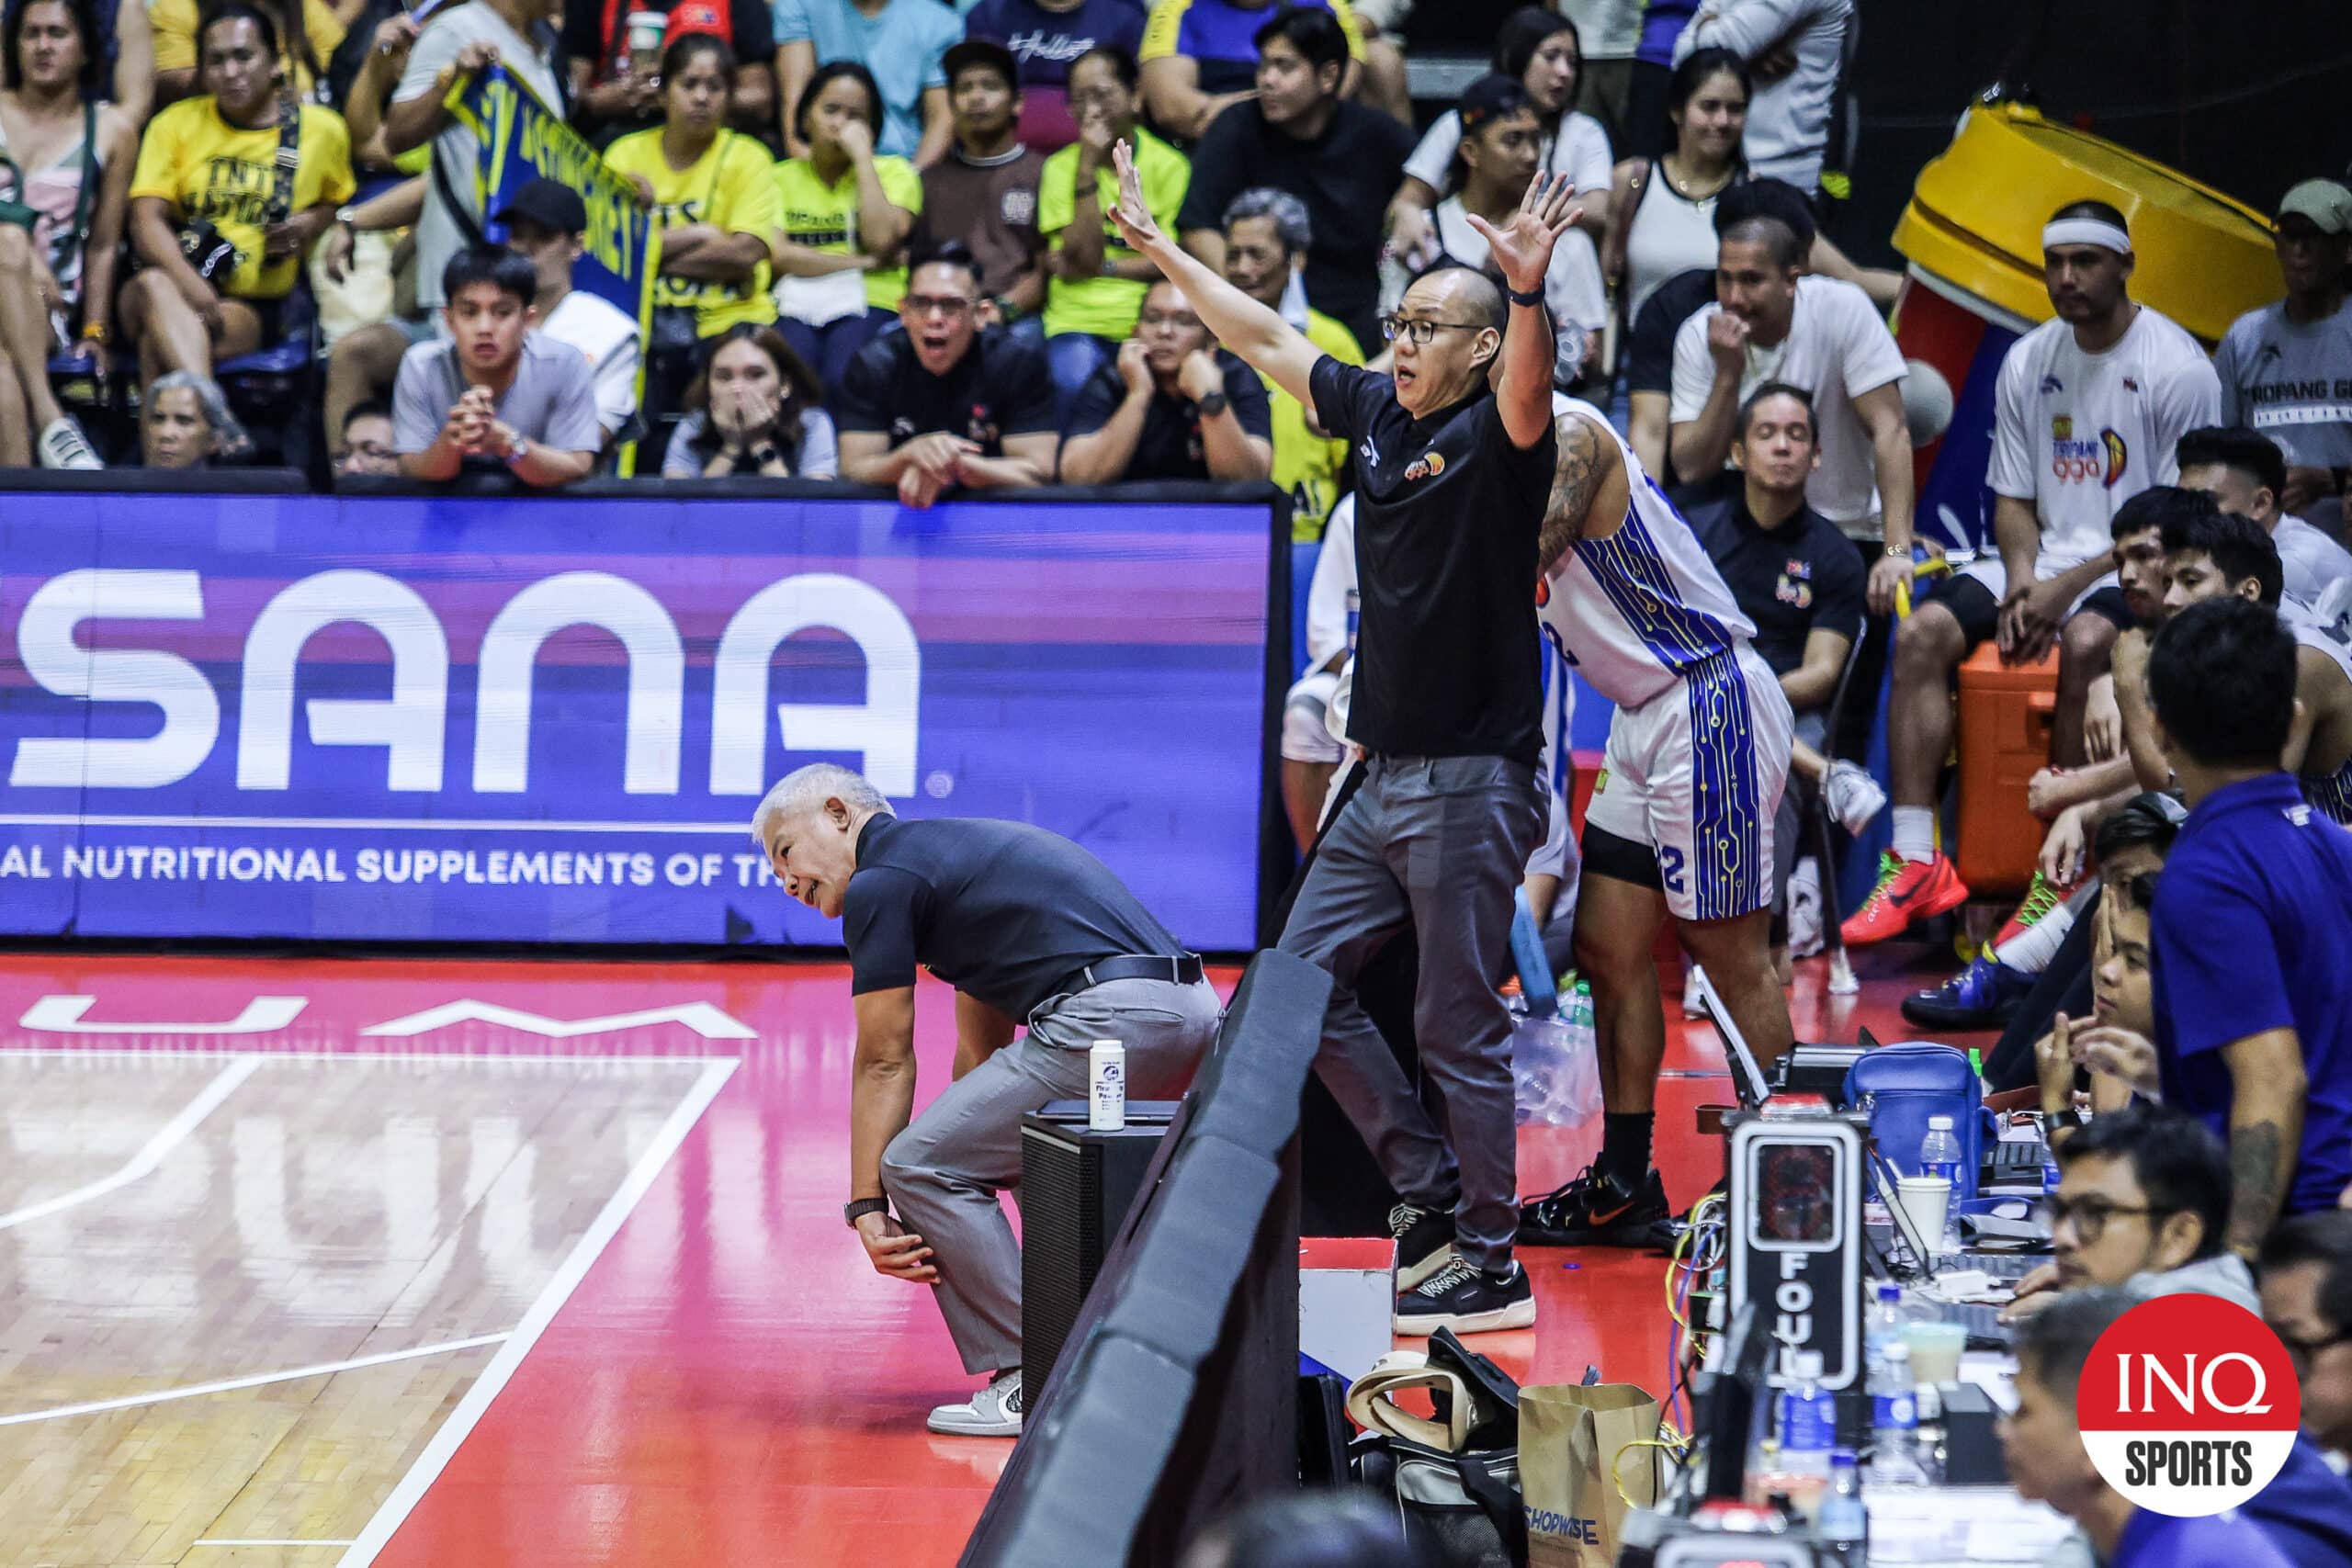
x: 1438, y: 844
x: 945, y: 1172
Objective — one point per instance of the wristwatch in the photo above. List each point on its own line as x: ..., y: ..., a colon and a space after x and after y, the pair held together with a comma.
x: 764, y: 454
x: 1214, y: 403
x: 348, y: 217
x: 857, y: 1209
x: 518, y: 452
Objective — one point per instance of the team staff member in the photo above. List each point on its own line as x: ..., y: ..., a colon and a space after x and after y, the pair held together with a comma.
x: 2253, y: 934
x: 1451, y: 478
x: 1026, y: 927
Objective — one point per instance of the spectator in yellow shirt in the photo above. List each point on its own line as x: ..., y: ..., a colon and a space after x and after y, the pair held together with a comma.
x: 306, y: 48
x: 841, y: 239
x: 209, y: 170
x: 714, y: 197
x: 1094, y: 285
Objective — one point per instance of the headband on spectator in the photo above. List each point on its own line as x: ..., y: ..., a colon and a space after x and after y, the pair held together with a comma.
x: 2086, y: 231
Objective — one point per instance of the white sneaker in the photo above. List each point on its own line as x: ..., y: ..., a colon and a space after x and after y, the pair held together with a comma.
x: 994, y: 1412
x: 1692, y: 1005
x: 62, y: 445
x: 1855, y: 797
x: 1805, y: 908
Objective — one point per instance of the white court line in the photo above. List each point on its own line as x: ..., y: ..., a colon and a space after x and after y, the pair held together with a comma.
x: 453, y: 1432
x: 144, y: 1162
x: 230, y: 1385
x: 247, y: 1540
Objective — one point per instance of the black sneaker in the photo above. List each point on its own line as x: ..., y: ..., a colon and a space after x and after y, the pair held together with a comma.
x: 1468, y: 1300
x: 1597, y: 1210
x: 1424, y: 1242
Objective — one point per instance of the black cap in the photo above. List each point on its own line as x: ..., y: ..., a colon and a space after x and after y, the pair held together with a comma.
x: 981, y: 52
x: 550, y: 204
x: 1490, y: 98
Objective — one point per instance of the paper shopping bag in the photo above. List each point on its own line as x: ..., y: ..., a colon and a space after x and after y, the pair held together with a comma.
x: 1573, y: 1454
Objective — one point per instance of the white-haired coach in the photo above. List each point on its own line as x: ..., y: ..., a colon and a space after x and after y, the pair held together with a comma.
x: 1027, y: 927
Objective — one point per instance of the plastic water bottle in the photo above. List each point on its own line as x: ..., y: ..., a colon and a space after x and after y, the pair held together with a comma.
x: 1580, y: 1015
x: 1883, y: 1327
x: 1844, y: 1524
x: 1894, y: 1421
x: 1808, y: 1420
x: 1356, y: 612
x: 1940, y: 1156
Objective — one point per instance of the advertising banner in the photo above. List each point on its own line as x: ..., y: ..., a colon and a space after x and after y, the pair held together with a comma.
x: 521, y: 140
x: 486, y: 721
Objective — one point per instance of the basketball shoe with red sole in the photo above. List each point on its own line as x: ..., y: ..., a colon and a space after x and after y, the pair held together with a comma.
x: 1907, y: 890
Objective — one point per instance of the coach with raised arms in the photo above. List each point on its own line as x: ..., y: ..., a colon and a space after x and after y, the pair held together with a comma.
x: 1452, y: 469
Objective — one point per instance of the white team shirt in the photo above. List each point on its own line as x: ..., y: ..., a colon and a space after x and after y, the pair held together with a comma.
x: 2079, y: 434
x: 598, y: 329
x: 2328, y: 629
x: 2308, y: 558
x: 1838, y: 349
x: 1636, y: 611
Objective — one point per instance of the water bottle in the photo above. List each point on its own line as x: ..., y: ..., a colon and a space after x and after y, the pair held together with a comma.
x: 1581, y: 1014
x: 1881, y: 1327
x: 1808, y: 1420
x: 1940, y: 1156
x: 2049, y: 1173
x: 1894, y: 1421
x: 1844, y: 1524
x: 1355, y: 608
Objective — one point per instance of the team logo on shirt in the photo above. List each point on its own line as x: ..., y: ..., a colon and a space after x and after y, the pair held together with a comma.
x: 1428, y: 465
x: 981, y: 429
x: 2052, y: 384
x: 2072, y: 461
x: 1018, y: 208
x: 1795, y: 586
x: 1368, y: 452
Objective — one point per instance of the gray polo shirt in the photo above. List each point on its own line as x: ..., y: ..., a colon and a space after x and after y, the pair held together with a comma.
x: 551, y: 401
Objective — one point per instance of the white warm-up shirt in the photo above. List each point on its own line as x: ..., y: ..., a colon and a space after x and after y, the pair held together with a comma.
x: 1837, y: 349
x: 2079, y: 434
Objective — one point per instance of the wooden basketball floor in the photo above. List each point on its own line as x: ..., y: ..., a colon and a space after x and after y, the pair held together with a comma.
x: 317, y: 1262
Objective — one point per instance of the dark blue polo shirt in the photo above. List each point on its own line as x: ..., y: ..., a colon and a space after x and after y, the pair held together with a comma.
x: 2218, y: 1540
x: 2306, y: 1510
x: 2253, y: 931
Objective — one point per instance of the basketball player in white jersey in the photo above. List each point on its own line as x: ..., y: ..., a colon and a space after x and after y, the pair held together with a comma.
x: 1680, y: 821
x: 2088, y: 411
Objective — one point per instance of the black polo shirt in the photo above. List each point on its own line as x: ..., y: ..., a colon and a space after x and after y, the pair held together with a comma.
x: 1000, y: 388
x: 1792, y: 580
x: 1001, y: 910
x: 1345, y: 176
x: 1447, y: 515
x: 1170, y: 445
x: 1649, y: 352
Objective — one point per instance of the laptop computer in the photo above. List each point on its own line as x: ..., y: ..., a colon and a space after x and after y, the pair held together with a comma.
x: 1747, y: 1080
x: 1981, y: 1320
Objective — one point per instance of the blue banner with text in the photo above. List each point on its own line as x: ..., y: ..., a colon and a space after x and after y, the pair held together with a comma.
x: 483, y: 720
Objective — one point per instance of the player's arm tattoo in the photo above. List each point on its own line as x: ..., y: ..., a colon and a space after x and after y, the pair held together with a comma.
x: 1576, y: 479
x: 2258, y: 1182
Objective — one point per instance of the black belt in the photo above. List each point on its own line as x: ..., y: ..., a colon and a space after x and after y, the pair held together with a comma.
x: 1181, y: 971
